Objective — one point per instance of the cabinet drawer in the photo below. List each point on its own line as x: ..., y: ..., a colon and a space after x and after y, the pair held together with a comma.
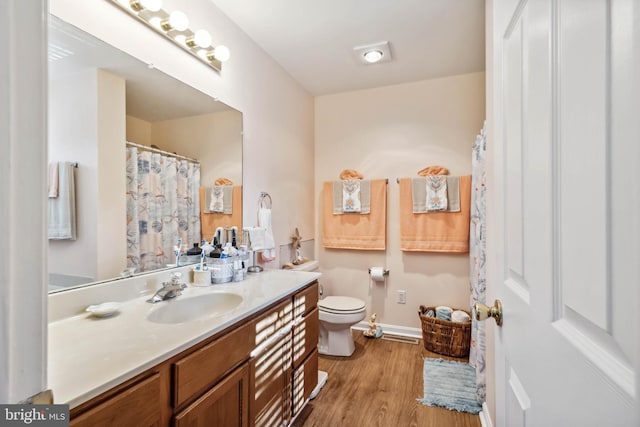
x: 305, y: 337
x: 137, y: 405
x: 201, y: 369
x: 305, y: 300
x: 305, y: 379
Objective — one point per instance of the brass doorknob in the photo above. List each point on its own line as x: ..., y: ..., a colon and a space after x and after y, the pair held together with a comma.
x: 483, y: 312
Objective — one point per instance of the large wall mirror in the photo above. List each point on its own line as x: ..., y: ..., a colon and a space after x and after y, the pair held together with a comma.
x: 100, y: 98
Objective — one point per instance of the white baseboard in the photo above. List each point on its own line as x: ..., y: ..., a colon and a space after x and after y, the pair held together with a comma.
x: 401, y: 331
x: 485, y: 416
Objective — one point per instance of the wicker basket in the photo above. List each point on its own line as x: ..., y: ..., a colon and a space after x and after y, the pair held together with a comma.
x: 445, y: 337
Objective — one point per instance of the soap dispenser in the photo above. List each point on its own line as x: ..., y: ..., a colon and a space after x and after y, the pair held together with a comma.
x: 195, y: 250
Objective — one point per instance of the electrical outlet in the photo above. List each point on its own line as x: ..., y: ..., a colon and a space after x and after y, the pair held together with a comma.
x: 402, y: 297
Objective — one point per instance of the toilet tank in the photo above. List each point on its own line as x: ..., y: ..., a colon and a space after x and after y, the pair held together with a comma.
x: 311, y: 265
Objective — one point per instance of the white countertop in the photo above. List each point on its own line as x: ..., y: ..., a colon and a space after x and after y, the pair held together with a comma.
x: 89, y: 355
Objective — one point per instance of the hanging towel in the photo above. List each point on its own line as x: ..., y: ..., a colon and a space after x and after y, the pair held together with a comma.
x: 256, y: 237
x: 437, y: 231
x: 436, y: 193
x: 62, y: 209
x: 351, y: 195
x: 219, y: 199
x: 419, y: 194
x: 365, y: 198
x: 53, y: 179
x: 209, y: 221
x: 264, y: 221
x: 366, y: 232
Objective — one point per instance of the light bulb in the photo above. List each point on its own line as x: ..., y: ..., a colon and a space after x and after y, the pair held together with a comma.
x: 202, y: 38
x: 221, y: 53
x: 373, y: 56
x: 177, y: 21
x: 151, y: 5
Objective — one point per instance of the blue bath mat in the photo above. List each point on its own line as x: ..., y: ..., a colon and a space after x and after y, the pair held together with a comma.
x: 450, y: 385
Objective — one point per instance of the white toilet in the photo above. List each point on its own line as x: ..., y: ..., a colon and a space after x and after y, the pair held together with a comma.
x: 337, y: 315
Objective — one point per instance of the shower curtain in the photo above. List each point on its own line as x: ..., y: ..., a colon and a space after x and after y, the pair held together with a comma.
x: 477, y: 257
x: 163, y: 204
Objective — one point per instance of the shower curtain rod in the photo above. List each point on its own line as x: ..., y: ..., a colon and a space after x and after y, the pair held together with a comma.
x: 157, y: 150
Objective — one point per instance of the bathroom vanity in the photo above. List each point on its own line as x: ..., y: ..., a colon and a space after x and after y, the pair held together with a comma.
x: 255, y: 364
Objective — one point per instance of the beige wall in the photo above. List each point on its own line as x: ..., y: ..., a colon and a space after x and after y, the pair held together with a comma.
x: 392, y: 132
x: 214, y: 139
x: 138, y: 130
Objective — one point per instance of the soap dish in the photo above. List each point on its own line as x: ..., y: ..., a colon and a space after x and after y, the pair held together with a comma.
x: 105, y: 309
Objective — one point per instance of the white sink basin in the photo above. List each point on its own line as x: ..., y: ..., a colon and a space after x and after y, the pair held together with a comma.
x: 186, y: 309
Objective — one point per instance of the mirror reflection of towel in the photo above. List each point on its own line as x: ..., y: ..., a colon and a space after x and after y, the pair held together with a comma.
x: 53, y: 180
x: 219, y: 199
x: 62, y: 209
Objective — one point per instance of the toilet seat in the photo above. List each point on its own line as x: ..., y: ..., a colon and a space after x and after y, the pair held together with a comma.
x: 341, y: 305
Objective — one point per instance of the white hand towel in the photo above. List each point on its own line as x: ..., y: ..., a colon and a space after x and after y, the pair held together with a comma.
x: 256, y: 237
x: 436, y: 193
x: 264, y: 221
x: 351, y: 195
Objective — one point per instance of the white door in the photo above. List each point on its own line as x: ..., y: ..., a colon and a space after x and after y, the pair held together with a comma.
x: 563, y: 249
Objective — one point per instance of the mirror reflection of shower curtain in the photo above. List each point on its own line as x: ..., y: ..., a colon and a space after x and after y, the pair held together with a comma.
x: 163, y: 204
x: 477, y: 258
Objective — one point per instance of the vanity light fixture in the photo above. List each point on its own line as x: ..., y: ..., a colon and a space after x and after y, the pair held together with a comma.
x: 177, y: 21
x: 175, y: 27
x: 373, y: 53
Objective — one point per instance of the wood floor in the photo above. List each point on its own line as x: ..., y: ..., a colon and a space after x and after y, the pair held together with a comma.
x: 378, y: 386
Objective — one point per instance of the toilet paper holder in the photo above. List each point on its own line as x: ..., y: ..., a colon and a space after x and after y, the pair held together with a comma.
x: 385, y: 272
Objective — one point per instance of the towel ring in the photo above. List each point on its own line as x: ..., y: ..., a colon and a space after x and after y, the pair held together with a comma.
x: 264, y: 201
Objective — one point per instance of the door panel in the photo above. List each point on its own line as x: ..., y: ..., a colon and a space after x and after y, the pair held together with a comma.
x: 562, y: 147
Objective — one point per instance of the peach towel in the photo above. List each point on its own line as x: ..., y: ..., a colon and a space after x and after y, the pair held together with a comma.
x: 356, y: 231
x: 438, y: 231
x: 210, y: 221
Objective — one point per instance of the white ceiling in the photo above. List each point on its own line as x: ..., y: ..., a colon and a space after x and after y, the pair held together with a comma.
x: 314, y: 39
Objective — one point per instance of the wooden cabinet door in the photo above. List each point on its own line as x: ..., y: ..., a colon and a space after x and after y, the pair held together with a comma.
x: 226, y: 404
x: 270, y: 376
x: 305, y: 336
x: 137, y: 405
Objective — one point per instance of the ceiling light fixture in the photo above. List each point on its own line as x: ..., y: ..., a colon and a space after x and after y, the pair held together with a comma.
x: 373, y: 53
x: 373, y: 56
x: 175, y: 27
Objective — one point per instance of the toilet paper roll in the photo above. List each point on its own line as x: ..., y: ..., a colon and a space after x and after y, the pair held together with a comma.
x: 377, y: 274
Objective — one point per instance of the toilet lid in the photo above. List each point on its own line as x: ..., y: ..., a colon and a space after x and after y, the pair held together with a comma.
x: 345, y: 305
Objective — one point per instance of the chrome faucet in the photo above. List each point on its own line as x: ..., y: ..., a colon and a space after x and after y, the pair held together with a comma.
x: 169, y: 289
